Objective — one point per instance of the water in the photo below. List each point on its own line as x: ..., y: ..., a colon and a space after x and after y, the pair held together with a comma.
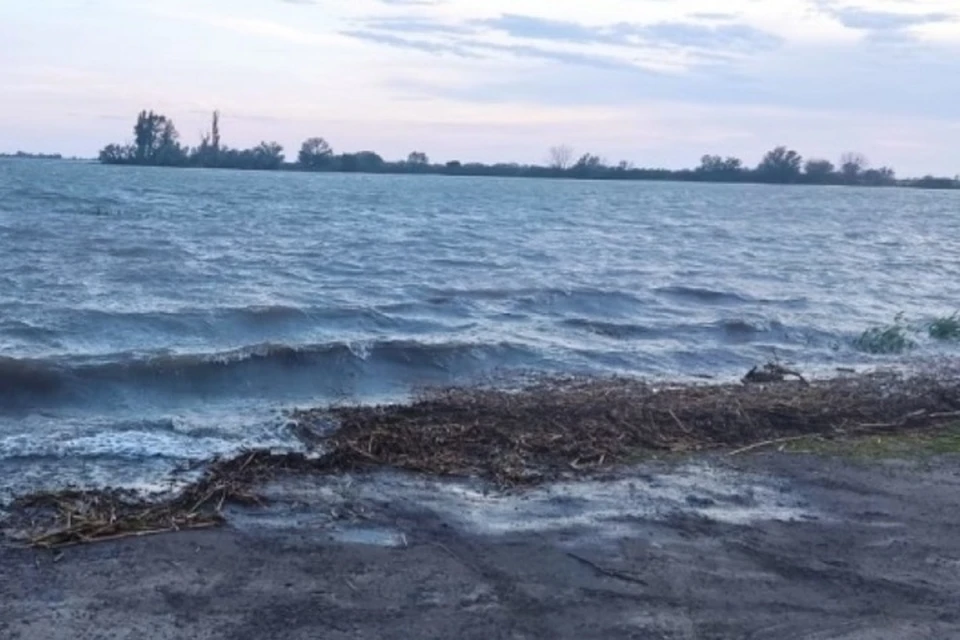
x: 149, y: 317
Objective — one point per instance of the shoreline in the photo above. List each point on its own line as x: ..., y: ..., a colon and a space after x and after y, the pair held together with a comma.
x: 926, y: 183
x: 548, y: 431
x: 921, y: 184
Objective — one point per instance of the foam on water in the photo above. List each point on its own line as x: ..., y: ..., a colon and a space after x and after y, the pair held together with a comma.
x: 593, y: 508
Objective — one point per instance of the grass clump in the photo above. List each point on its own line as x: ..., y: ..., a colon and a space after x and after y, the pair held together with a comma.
x: 945, y: 328
x: 891, y: 339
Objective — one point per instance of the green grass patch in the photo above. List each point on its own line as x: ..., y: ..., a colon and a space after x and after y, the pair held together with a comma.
x: 946, y: 328
x: 891, y: 339
x: 906, y: 444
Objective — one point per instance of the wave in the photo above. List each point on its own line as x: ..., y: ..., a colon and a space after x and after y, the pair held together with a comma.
x: 703, y: 295
x: 29, y: 376
x: 236, y: 325
x: 706, y: 295
x: 253, y: 314
x: 615, y: 330
x: 733, y: 333
x: 549, y: 301
x: 732, y: 329
x: 267, y: 368
x: 546, y: 293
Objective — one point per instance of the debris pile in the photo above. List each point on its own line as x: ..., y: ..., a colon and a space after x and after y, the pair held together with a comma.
x: 546, y: 430
x: 559, y: 426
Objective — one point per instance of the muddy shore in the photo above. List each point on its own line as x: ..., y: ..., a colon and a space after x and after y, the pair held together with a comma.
x: 769, y: 545
x: 607, y: 509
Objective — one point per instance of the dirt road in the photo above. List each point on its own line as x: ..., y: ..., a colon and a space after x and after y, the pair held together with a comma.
x: 765, y: 546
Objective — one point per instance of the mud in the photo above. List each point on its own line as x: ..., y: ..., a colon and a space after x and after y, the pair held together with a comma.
x: 762, y: 546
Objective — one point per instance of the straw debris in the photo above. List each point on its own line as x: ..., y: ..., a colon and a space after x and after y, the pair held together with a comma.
x: 546, y: 430
x: 73, y: 517
x: 558, y: 427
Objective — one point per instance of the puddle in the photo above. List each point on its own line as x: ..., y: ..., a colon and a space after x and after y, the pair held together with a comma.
x: 370, y: 536
x: 610, y: 506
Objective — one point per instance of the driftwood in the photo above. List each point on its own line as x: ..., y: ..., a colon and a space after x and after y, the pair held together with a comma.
x: 772, y: 372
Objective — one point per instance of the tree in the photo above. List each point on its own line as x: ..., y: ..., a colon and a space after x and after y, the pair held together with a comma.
x: 369, y: 161
x: 780, y: 165
x: 819, y: 171
x: 208, y: 153
x: 268, y: 156
x: 715, y: 164
x: 314, y: 154
x: 418, y: 158
x: 156, y: 141
x: 561, y: 156
x: 588, y: 165
x: 852, y: 164
x: 348, y: 162
x: 117, y: 154
x: 215, y: 133
x: 882, y: 177
x: 717, y: 168
x: 169, y: 152
x: 147, y: 133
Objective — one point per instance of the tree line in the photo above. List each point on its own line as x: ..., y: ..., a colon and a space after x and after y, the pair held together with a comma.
x: 156, y: 142
x: 23, y: 155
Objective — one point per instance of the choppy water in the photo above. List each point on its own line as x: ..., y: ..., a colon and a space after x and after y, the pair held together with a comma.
x: 152, y: 316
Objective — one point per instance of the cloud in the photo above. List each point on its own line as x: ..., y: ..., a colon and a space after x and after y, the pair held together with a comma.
x: 409, y: 43
x: 557, y: 55
x: 412, y: 3
x: 417, y: 25
x: 666, y: 46
x: 726, y: 37
x: 713, y: 15
x: 856, y: 78
x: 674, y: 33
x: 521, y: 26
x: 479, y: 49
x: 873, y: 20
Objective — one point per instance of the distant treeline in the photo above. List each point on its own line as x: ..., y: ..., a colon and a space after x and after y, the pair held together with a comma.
x: 23, y: 155
x: 157, y: 143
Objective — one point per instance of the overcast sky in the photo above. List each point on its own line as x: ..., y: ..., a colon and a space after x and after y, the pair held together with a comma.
x: 654, y: 82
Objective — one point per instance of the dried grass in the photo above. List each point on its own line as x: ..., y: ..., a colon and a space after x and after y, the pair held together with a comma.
x: 519, y: 437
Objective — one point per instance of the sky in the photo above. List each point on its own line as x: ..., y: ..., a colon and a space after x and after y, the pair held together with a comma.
x: 657, y: 83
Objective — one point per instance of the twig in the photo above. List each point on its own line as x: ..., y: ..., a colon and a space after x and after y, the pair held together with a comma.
x: 680, y: 424
x: 455, y: 556
x: 946, y: 414
x: 770, y: 443
x: 610, y: 573
x: 42, y: 541
x: 247, y: 462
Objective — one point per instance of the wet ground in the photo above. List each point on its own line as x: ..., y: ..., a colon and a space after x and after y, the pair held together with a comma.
x: 763, y: 546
